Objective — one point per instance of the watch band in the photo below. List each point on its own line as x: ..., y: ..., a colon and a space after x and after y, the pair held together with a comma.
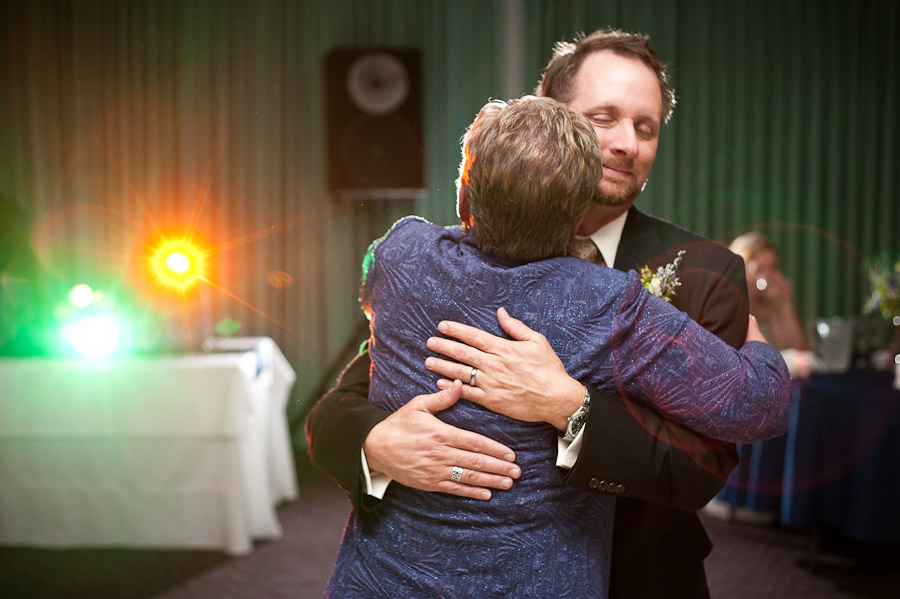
x: 577, y: 420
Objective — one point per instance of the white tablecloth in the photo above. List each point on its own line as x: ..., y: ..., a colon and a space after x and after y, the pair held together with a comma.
x: 168, y: 452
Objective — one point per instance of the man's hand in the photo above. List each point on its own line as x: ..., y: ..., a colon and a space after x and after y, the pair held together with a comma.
x: 521, y: 378
x: 416, y: 449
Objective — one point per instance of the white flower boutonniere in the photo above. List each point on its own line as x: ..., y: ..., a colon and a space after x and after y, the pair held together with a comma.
x: 663, y: 282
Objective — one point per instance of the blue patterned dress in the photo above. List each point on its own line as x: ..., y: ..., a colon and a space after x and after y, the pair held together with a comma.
x: 540, y: 539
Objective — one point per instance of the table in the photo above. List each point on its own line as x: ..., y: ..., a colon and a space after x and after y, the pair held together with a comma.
x: 839, y: 464
x: 177, y: 452
x: 842, y: 461
x: 756, y: 483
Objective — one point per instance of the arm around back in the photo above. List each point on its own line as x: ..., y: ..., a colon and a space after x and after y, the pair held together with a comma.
x: 664, y: 361
x: 338, y: 425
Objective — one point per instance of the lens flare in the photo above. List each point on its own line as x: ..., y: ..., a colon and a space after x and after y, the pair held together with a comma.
x: 81, y: 295
x: 94, y: 336
x: 178, y: 264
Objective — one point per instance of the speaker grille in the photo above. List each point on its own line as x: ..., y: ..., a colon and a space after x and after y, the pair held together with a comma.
x: 374, y: 123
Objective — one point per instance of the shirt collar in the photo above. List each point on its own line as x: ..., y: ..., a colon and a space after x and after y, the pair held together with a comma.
x: 607, y: 238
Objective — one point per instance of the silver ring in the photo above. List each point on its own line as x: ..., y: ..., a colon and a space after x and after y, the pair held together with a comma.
x: 472, y: 377
x: 456, y: 475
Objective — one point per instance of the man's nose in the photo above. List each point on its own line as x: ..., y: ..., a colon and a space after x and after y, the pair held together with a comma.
x: 624, y: 140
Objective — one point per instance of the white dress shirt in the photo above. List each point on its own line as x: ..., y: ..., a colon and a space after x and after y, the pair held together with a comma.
x: 607, y: 240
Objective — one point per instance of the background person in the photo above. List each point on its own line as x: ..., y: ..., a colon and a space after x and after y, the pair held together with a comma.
x: 772, y: 302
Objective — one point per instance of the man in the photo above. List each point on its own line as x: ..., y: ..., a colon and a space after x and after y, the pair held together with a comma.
x: 659, y: 472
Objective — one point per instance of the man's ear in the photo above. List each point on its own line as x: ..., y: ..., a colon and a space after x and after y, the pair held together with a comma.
x: 462, y: 208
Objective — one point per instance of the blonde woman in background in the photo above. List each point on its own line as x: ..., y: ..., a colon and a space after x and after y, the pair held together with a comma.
x: 772, y: 302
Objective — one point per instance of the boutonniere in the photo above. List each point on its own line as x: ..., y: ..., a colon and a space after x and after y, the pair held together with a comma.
x: 663, y: 282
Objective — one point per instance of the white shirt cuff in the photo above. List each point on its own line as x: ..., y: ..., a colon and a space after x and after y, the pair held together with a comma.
x: 567, y: 453
x: 376, y: 482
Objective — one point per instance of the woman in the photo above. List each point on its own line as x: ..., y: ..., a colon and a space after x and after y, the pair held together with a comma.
x: 772, y: 302
x: 529, y: 172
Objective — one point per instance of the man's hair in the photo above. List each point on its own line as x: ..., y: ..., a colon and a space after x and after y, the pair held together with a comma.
x: 558, y: 80
x: 529, y: 172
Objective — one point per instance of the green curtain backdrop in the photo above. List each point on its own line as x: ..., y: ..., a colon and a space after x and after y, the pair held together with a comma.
x: 787, y: 121
x: 116, y: 115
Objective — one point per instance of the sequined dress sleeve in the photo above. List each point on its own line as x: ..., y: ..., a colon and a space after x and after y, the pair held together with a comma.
x: 541, y: 538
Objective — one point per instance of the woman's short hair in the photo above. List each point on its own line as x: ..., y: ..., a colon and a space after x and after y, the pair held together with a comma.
x: 751, y: 244
x: 529, y: 172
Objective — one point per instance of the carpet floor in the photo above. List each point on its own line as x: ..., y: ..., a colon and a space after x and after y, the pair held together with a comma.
x: 747, y: 562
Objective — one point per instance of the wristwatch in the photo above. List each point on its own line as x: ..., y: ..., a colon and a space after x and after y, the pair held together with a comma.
x: 577, y: 420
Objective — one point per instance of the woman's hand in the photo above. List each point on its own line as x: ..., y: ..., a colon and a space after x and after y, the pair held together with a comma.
x: 753, y: 332
x: 522, y: 378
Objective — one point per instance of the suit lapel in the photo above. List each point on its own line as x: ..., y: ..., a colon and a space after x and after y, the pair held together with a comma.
x: 640, y: 242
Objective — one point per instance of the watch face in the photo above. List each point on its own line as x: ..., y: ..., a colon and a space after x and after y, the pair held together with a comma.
x: 575, y: 426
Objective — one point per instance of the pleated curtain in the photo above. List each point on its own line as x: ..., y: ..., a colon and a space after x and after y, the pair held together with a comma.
x: 117, y: 117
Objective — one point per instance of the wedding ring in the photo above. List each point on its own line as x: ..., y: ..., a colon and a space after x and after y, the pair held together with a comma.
x: 456, y: 475
x: 472, y: 377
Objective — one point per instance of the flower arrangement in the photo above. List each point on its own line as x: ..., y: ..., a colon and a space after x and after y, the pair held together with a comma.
x: 663, y: 282
x: 884, y: 287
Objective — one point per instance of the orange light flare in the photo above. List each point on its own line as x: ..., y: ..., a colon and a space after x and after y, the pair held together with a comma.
x: 177, y: 264
x: 250, y: 306
x: 180, y: 268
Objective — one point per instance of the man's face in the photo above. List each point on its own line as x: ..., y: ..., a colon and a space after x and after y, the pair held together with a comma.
x: 620, y: 96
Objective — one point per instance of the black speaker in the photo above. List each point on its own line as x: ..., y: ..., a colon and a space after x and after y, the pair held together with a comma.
x: 374, y: 129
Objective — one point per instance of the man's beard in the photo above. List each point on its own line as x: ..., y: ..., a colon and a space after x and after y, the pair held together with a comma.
x: 618, y: 197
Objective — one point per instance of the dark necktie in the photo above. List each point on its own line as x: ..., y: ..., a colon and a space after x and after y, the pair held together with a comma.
x: 586, y: 249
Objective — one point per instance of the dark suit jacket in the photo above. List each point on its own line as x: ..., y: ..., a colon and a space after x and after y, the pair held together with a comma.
x: 661, y: 473
x: 667, y: 471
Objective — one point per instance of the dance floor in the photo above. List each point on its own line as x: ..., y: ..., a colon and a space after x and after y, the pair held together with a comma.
x: 747, y: 562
